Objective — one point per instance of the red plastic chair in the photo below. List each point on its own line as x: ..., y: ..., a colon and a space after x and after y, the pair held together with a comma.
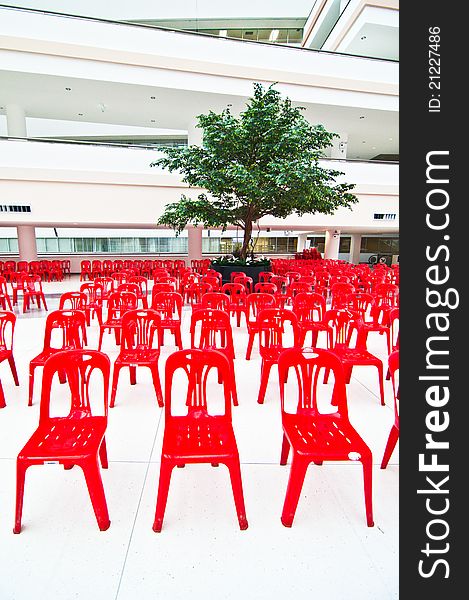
x: 393, y: 363
x: 55, y: 271
x: 108, y: 267
x: 246, y: 281
x: 137, y: 349
x: 96, y: 268
x: 343, y: 322
x: 340, y: 294
x: 118, y: 304
x: 67, y: 325
x: 198, y: 436
x: 216, y: 300
x: 85, y: 270
x: 7, y: 330
x: 142, y: 293
x: 196, y: 290
x: 66, y: 266
x: 312, y: 435
x: 168, y: 305
x: 4, y: 295
x: 74, y: 439
x: 237, y: 295
x: 32, y: 291
x: 310, y: 309
x: 256, y: 302
x: 265, y: 276
x: 272, y: 329
x: 213, y: 281
x: 94, y: 300
x: 74, y: 301
x: 17, y: 285
x: 265, y: 288
x: 211, y: 329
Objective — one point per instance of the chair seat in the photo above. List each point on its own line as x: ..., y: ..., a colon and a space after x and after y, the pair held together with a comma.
x: 138, y: 356
x: 112, y: 324
x: 199, y: 440
x: 323, y: 436
x: 65, y: 438
x: 355, y: 355
x: 41, y: 358
x: 4, y: 354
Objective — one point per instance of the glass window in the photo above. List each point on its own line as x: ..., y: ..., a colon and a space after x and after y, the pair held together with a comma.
x: 344, y: 245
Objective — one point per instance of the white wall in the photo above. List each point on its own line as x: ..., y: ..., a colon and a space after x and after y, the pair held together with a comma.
x: 70, y: 184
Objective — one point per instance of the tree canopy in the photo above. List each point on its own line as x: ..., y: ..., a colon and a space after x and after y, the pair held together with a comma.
x: 264, y: 162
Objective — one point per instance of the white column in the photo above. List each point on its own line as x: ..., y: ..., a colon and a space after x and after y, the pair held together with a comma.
x: 339, y: 146
x: 331, y: 247
x: 16, y: 121
x: 27, y: 242
x: 301, y: 243
x: 194, y: 134
x: 355, y: 243
x: 194, y: 243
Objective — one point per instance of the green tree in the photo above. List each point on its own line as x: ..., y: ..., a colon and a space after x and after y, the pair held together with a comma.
x: 264, y: 162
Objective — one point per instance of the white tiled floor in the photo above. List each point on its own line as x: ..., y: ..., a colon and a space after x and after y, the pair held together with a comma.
x: 329, y: 552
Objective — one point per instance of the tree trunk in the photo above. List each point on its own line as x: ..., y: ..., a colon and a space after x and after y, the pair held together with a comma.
x: 246, y: 240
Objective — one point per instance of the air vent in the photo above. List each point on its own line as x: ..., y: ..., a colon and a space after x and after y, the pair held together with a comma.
x: 384, y: 216
x: 15, y: 208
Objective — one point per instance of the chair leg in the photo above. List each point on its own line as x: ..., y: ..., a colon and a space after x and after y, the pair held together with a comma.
x: 62, y: 376
x: 155, y: 374
x: 234, y: 393
x: 295, y: 484
x: 285, y: 450
x: 177, y: 335
x: 381, y: 383
x: 367, y: 463
x: 390, y: 445
x: 103, y: 454
x: 250, y: 345
x: 115, y: 381
x: 133, y: 374
x: 265, y: 371
x: 237, y: 486
x: 20, y: 478
x: 31, y: 385
x: 96, y: 492
x: 163, y: 488
x: 2, y: 397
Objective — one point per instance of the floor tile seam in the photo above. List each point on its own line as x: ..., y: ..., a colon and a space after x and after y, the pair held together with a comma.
x: 361, y: 542
x: 137, y: 509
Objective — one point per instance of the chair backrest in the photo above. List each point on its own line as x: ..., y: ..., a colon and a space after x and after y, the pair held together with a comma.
x: 360, y: 302
x: 7, y: 329
x: 32, y: 284
x: 72, y: 324
x: 387, y: 294
x: 3, y: 285
x: 117, y: 264
x: 168, y: 304
x: 340, y: 293
x: 78, y: 366
x: 235, y: 274
x: 129, y: 287
x: 265, y: 288
x: 233, y: 290
x: 309, y: 306
x: 257, y: 302
x: 120, y: 302
x: 120, y: 277
x: 211, y: 328
x: 216, y: 300
x: 139, y: 328
x: 271, y: 323
x: 75, y: 300
x: 265, y: 276
x: 307, y: 364
x: 93, y: 292
x: 213, y: 281
x: 196, y: 364
x: 142, y: 283
x: 343, y: 323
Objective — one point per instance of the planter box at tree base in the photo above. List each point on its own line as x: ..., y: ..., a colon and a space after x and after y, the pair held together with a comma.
x: 251, y: 271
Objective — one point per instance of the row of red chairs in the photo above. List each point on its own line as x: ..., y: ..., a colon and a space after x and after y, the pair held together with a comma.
x: 275, y: 332
x: 49, y: 270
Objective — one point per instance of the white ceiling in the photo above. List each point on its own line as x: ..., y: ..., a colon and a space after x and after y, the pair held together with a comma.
x: 45, y: 97
x: 377, y: 41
